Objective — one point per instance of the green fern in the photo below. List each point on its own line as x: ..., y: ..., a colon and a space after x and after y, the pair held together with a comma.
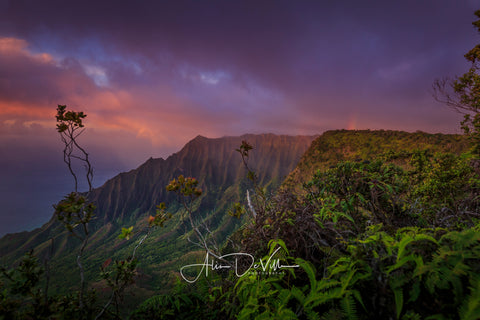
x: 470, y: 308
x: 349, y: 307
x: 398, y: 294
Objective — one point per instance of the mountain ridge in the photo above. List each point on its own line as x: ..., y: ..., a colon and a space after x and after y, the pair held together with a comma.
x: 129, y: 197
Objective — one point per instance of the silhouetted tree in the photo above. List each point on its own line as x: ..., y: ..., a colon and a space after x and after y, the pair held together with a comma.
x: 463, y: 93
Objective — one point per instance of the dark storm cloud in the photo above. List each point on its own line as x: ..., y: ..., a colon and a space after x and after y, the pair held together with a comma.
x: 312, y: 51
x: 271, y: 40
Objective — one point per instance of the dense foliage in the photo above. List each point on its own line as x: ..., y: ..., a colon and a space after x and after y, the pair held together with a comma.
x: 373, y: 240
x: 377, y: 238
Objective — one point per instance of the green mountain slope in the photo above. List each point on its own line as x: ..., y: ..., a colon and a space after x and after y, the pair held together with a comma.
x: 366, y: 145
x: 129, y: 198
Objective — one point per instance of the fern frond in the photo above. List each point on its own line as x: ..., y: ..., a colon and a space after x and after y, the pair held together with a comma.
x: 398, y: 294
x: 349, y: 307
x: 470, y: 308
x: 309, y: 270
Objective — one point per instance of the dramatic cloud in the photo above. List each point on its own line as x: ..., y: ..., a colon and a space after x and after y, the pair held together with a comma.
x: 155, y: 74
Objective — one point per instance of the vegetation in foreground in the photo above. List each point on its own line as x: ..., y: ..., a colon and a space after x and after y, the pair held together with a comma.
x: 372, y: 239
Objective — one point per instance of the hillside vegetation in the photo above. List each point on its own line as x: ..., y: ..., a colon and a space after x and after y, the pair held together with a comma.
x: 391, y: 236
x: 365, y: 145
x: 128, y: 199
x: 385, y: 225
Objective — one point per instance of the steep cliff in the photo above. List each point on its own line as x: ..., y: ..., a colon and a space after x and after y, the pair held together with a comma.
x: 128, y: 199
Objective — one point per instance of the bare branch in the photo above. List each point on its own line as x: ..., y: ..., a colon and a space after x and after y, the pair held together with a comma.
x: 443, y: 92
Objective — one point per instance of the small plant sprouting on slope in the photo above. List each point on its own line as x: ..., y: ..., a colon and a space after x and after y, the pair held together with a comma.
x: 188, y: 191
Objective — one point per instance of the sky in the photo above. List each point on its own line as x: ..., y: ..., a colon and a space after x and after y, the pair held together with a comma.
x: 152, y: 75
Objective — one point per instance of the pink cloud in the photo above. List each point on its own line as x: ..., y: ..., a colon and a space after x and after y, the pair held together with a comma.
x: 18, y: 47
x: 37, y: 82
